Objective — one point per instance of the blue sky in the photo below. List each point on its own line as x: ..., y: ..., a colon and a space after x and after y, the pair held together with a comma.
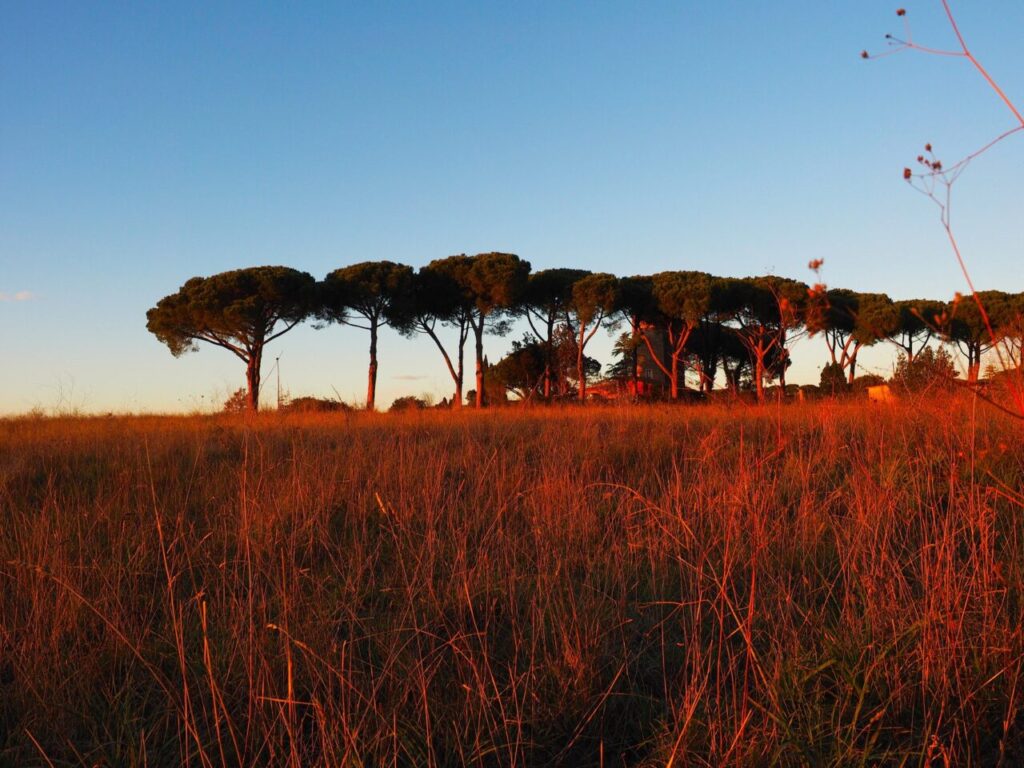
x: 140, y: 146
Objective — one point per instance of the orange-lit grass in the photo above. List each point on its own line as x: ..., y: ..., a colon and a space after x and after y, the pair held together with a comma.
x: 820, y: 584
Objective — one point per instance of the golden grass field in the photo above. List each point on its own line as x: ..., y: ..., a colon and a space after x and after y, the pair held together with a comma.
x: 819, y: 584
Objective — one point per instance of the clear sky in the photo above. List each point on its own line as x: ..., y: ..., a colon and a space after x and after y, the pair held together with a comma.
x: 143, y: 144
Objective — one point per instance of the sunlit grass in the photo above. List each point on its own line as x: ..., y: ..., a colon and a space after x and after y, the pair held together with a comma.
x: 827, y: 584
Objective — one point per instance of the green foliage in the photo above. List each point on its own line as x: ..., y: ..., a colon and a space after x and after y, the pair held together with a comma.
x: 865, y: 317
x: 237, y: 310
x: 701, y: 320
x: 975, y: 331
x: 594, y: 297
x: 767, y: 312
x: 876, y: 318
x: 521, y: 371
x: 489, y: 285
x: 932, y: 368
x: 314, y: 405
x: 548, y: 292
x: 836, y: 314
x: 621, y: 367
x: 672, y: 305
x: 967, y: 323
x: 372, y: 289
x: 435, y: 296
x: 683, y: 297
x: 376, y: 291
x: 237, y: 402
x: 917, y: 321
x: 546, y: 303
x: 762, y: 308
x: 768, y: 301
x: 636, y: 297
x: 833, y: 379
x: 408, y: 403
x: 494, y: 393
x: 487, y: 282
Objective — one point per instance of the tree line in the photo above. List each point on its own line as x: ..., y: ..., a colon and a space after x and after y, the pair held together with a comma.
x: 677, y: 321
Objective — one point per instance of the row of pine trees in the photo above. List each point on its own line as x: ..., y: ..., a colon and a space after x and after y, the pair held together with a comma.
x: 678, y: 320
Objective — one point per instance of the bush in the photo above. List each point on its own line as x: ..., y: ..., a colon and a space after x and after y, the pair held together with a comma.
x: 810, y: 391
x: 931, y: 369
x: 833, y: 379
x: 861, y: 383
x: 237, y: 402
x: 314, y: 405
x: 408, y: 403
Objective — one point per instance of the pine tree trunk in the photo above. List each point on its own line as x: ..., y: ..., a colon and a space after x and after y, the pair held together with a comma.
x: 759, y: 374
x: 707, y: 380
x: 371, y: 384
x: 973, y: 363
x: 548, y: 352
x: 460, y: 378
x: 479, y: 333
x: 635, y: 359
x: 456, y: 374
x: 581, y: 375
x: 252, y: 380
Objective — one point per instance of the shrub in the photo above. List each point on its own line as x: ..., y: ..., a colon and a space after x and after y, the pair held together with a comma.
x: 861, y: 383
x: 810, y: 391
x: 833, y: 379
x: 931, y: 368
x: 237, y: 402
x: 408, y: 403
x: 314, y: 405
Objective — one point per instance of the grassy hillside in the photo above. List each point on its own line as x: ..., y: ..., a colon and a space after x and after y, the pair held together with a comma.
x: 811, y: 585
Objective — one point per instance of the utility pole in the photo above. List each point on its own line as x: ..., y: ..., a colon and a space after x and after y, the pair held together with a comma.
x: 277, y: 364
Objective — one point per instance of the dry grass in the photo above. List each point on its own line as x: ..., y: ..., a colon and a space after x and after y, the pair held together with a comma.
x: 813, y: 585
